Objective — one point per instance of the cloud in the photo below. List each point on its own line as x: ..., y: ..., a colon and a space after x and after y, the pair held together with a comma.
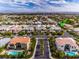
x: 38, y: 6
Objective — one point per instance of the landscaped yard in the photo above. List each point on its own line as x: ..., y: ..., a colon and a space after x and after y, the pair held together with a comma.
x: 55, y: 53
x: 32, y: 47
x: 25, y: 54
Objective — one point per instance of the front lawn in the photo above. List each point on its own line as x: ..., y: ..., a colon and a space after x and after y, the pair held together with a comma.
x: 54, y: 52
x: 32, y: 48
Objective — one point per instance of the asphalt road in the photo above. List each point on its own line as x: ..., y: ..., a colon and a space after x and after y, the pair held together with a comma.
x: 46, y: 51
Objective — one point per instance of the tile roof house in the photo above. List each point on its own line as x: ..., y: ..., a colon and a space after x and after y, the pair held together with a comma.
x: 19, y: 43
x: 54, y: 27
x: 76, y: 30
x: 15, y: 28
x: 66, y: 44
x: 68, y: 26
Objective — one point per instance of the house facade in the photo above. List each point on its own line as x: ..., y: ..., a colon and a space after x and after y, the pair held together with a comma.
x: 19, y: 43
x: 66, y: 44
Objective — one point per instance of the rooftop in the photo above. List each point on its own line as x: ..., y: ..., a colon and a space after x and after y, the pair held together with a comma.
x: 76, y: 29
x: 20, y: 40
x: 63, y: 41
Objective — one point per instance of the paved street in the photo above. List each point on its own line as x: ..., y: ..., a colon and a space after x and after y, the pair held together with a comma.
x: 46, y: 51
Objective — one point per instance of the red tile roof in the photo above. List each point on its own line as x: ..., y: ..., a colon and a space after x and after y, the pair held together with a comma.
x: 20, y: 40
x: 63, y: 41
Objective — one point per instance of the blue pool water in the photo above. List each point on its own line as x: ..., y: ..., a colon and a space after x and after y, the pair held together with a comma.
x: 14, y: 53
x: 71, y: 53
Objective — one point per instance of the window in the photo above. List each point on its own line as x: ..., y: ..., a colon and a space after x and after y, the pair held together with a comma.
x: 11, y: 46
x: 18, y: 45
x: 24, y: 46
x: 72, y: 47
x: 62, y: 46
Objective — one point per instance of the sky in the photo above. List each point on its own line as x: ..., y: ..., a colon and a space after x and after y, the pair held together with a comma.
x: 37, y: 6
x: 72, y: 0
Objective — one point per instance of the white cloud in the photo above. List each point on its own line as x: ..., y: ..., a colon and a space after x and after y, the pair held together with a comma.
x: 45, y: 7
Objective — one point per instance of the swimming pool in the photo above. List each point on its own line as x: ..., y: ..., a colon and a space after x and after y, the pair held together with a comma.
x: 71, y: 53
x: 15, y: 53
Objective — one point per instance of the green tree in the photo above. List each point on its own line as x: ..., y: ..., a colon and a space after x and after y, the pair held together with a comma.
x: 21, y: 33
x: 7, y: 33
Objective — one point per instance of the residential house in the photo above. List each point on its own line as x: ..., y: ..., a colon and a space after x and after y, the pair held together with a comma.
x: 76, y: 31
x: 66, y: 44
x: 54, y: 27
x: 68, y: 26
x: 19, y: 43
